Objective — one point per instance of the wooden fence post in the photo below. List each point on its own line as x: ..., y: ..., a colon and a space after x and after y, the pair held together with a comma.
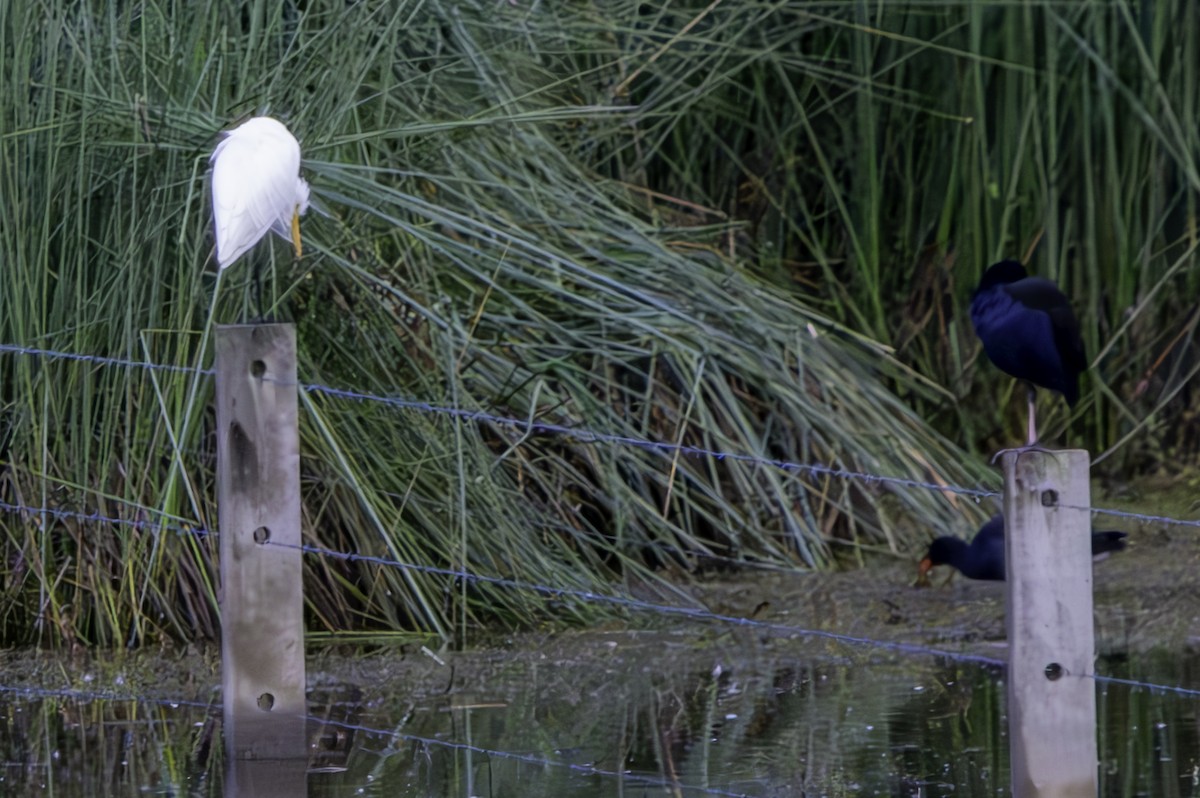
x: 1051, y: 639
x: 258, y: 500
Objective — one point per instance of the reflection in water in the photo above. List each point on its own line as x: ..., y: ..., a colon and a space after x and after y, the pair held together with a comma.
x: 270, y: 778
x: 606, y: 715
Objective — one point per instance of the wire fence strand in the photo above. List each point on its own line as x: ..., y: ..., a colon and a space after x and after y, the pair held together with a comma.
x: 213, y: 707
x: 640, y: 605
x: 597, y: 437
x: 698, y: 614
x: 180, y: 526
x: 100, y: 360
x: 674, y: 786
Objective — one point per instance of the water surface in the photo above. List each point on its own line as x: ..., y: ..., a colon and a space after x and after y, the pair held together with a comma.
x: 682, y: 712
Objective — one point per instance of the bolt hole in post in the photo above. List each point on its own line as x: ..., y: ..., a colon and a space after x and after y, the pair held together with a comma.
x: 262, y: 535
x: 266, y: 702
x: 1054, y: 671
x: 258, y: 369
x: 1049, y: 498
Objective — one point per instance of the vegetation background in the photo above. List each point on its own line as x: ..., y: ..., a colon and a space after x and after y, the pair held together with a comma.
x: 750, y: 227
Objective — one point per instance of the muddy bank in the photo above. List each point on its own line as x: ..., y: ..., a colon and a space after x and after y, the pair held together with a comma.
x: 1145, y: 598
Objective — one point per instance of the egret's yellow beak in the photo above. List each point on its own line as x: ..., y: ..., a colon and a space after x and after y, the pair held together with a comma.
x: 296, y: 233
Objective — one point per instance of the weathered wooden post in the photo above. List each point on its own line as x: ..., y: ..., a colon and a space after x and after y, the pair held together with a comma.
x: 258, y: 499
x: 1051, y: 639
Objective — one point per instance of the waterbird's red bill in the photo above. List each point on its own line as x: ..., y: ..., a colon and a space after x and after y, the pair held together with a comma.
x: 923, y: 569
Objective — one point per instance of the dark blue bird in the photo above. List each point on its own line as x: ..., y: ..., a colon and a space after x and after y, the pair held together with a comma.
x: 983, y: 557
x: 1029, y: 331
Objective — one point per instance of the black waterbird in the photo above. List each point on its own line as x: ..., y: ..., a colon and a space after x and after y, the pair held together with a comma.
x: 1029, y: 331
x: 983, y: 557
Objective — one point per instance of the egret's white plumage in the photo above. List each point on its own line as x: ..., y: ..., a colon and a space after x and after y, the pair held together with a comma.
x: 256, y: 187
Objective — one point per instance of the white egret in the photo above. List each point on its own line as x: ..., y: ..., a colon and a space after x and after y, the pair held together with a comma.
x: 256, y: 187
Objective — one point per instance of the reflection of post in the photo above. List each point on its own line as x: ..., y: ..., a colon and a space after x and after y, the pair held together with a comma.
x: 258, y: 500
x: 266, y: 778
x: 1051, y: 705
